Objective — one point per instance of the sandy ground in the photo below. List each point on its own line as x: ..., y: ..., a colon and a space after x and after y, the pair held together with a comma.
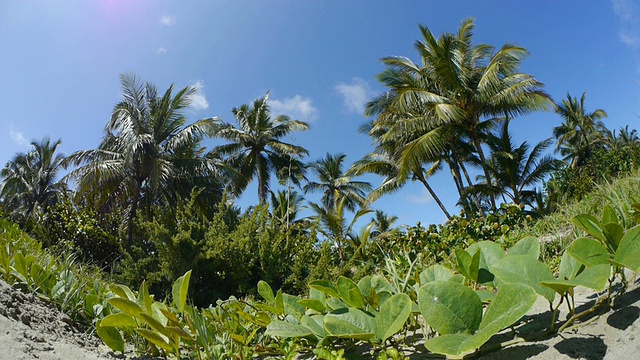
x: 31, y: 329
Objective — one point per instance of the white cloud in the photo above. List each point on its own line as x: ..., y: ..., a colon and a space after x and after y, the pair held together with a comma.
x: 161, y: 50
x: 297, y: 107
x: 18, y: 138
x: 168, y: 20
x: 628, y: 13
x: 355, y: 94
x: 421, y: 199
x: 199, y: 98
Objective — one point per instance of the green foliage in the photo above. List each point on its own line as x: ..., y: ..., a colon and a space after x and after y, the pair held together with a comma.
x: 510, y: 303
x: 91, y: 236
x: 226, y: 257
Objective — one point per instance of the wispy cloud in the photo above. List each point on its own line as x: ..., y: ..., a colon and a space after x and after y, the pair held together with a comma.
x: 168, y: 20
x: 199, y: 98
x: 355, y: 94
x: 628, y: 12
x: 161, y: 50
x: 18, y: 138
x: 297, y: 107
x: 421, y: 199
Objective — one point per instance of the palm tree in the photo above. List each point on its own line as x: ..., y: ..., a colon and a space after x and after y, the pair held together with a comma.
x: 458, y: 88
x: 383, y: 162
x: 256, y: 149
x: 581, y: 132
x: 382, y: 224
x: 335, y: 184
x: 334, y: 226
x: 516, y: 170
x: 624, y: 139
x: 29, y: 181
x: 145, y: 153
x: 285, y: 206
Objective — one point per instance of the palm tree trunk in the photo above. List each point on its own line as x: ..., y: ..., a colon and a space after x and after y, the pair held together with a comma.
x: 485, y: 168
x: 261, y: 192
x: 433, y: 194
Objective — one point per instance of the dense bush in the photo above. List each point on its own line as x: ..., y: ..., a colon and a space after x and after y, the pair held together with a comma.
x: 576, y: 182
x: 92, y: 237
x: 437, y: 242
x: 227, y: 257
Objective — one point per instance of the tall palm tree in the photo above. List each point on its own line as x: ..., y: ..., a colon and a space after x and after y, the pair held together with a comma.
x: 458, y: 88
x: 335, y: 184
x: 625, y: 138
x: 581, y: 132
x: 30, y: 180
x: 256, y: 149
x: 146, y: 151
x: 516, y: 169
x: 383, y: 161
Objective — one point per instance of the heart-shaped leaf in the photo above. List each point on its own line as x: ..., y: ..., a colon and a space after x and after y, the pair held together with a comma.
x: 528, y: 245
x: 523, y: 269
x: 590, y: 252
x: 392, y: 316
x: 285, y: 329
x: 628, y: 253
x: 449, y: 307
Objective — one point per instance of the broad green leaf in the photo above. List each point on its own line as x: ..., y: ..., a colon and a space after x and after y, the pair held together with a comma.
x: 325, y: 286
x: 280, y: 303
x: 312, y: 304
x: 349, y: 292
x: 435, y: 273
x: 144, y: 299
x: 510, y: 304
x: 528, y: 245
x: 335, y: 303
x: 180, y: 290
x: 628, y: 253
x: 350, y: 323
x: 468, y: 265
x: 266, y: 292
x: 523, y: 269
x: 155, y: 339
x: 392, y: 316
x: 111, y: 337
x: 490, y: 252
x: 159, y: 312
x: 485, y: 295
x: 589, y: 251
x: 291, y: 306
x: 380, y: 283
x: 364, y: 285
x: 119, y: 320
x: 449, y: 307
x: 154, y: 324
x: 569, y: 267
x: 590, y: 225
x: 122, y: 291
x: 614, y: 234
x: 609, y: 215
x: 595, y: 278
x: 315, y: 324
x: 285, y: 329
x: 126, y: 306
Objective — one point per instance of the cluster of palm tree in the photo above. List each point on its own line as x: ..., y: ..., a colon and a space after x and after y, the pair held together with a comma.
x: 451, y: 110
x: 441, y: 112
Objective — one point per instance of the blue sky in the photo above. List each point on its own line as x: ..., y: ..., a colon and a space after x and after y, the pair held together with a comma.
x: 61, y: 61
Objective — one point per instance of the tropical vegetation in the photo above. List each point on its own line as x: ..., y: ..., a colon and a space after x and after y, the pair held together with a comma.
x: 142, y: 240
